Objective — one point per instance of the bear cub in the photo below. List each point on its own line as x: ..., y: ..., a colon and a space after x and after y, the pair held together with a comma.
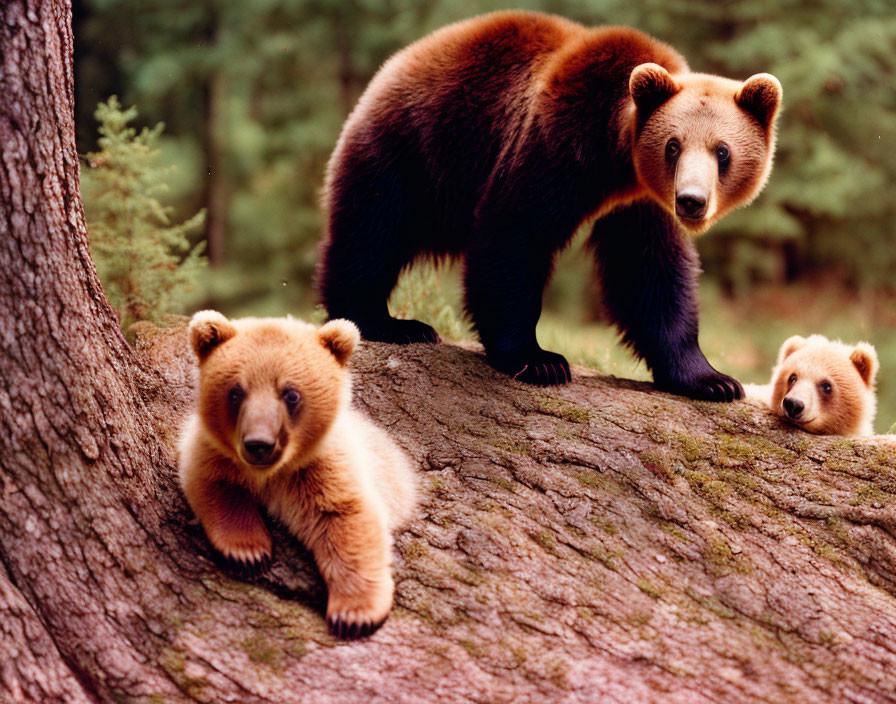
x: 274, y: 427
x: 822, y: 386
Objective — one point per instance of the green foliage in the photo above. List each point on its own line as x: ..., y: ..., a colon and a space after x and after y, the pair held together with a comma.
x: 432, y: 293
x: 827, y: 207
x: 260, y: 91
x: 146, y: 264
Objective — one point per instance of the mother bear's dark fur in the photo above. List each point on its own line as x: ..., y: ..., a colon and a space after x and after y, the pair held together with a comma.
x: 495, y: 138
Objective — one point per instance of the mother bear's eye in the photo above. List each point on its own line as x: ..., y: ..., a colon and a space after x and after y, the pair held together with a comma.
x: 723, y: 155
x: 673, y: 149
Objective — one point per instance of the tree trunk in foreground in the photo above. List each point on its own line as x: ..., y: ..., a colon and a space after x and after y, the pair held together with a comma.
x: 600, y: 542
x: 79, y: 483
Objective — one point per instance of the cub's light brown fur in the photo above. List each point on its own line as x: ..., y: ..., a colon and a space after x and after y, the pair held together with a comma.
x: 832, y: 383
x: 336, y: 480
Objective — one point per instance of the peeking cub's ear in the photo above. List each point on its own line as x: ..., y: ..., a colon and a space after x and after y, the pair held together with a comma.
x: 760, y: 95
x: 340, y: 337
x: 650, y: 86
x: 208, y: 329
x: 864, y: 357
x: 790, y: 346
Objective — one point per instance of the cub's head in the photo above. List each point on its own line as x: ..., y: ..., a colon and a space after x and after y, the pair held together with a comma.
x: 270, y: 388
x: 825, y: 387
x: 703, y: 145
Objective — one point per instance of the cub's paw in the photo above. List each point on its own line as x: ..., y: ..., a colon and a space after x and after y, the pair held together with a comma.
x: 244, y: 568
x: 712, y: 386
x: 399, y: 332
x: 245, y: 556
x: 539, y: 368
x: 359, y: 615
x: 352, y: 625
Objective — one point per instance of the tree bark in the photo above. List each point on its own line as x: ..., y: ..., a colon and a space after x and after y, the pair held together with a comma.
x: 600, y: 542
x: 77, y: 486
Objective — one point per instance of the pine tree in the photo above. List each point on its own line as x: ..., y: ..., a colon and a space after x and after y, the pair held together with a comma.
x: 146, y: 263
x: 256, y: 92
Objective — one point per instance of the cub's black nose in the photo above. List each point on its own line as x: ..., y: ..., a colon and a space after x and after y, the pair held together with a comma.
x: 793, y: 407
x: 690, y: 206
x: 258, y: 451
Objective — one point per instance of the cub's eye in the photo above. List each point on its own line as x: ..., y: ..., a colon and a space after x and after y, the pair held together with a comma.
x: 673, y: 149
x: 723, y: 154
x: 826, y: 387
x: 291, y: 398
x: 235, y: 397
x: 792, y: 380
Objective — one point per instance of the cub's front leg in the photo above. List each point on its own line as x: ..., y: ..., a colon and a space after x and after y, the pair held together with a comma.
x: 345, y: 525
x: 229, y: 514
x: 353, y: 554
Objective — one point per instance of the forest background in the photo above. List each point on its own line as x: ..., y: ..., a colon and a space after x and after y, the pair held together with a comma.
x: 253, y: 94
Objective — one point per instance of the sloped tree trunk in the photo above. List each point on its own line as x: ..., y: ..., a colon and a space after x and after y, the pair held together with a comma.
x: 595, y: 543
x: 80, y: 458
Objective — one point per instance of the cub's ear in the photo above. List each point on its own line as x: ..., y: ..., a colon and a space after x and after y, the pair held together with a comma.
x: 650, y: 85
x: 790, y: 346
x: 864, y: 357
x: 208, y: 329
x: 340, y: 337
x: 760, y: 95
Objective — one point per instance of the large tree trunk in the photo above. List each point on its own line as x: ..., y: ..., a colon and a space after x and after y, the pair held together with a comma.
x: 600, y: 542
x: 79, y: 482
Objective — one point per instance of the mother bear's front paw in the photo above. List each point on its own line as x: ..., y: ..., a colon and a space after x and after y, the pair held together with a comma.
x: 705, y: 386
x: 538, y: 367
x: 399, y: 332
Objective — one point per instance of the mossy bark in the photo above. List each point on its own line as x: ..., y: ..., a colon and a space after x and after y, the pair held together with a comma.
x: 599, y: 542
x: 596, y: 542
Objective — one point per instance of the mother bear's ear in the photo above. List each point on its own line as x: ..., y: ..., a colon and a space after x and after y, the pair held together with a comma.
x: 760, y: 95
x: 650, y: 85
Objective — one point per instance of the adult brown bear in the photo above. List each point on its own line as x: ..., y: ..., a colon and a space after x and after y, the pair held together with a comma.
x: 495, y: 138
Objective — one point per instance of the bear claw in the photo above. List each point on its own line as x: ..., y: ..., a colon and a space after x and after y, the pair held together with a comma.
x: 540, y: 369
x: 401, y: 332
x: 345, y: 629
x: 718, y: 387
x: 726, y: 390
x: 246, y: 569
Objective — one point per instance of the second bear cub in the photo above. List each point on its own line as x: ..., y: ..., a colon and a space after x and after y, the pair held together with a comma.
x: 274, y: 427
x: 822, y: 386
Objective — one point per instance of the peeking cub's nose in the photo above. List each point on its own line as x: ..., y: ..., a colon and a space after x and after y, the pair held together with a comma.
x: 793, y: 407
x: 258, y: 450
x: 690, y: 205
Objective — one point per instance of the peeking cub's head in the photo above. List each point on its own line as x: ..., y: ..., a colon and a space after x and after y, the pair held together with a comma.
x: 825, y: 387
